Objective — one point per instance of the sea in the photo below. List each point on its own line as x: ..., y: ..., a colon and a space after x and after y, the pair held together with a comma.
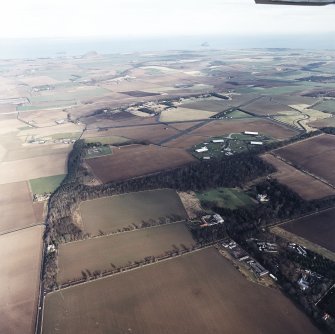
x: 58, y: 47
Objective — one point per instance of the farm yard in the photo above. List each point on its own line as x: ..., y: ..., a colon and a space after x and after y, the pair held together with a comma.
x: 136, y: 160
x: 118, y: 250
x: 304, y: 185
x: 315, y: 155
x: 110, y: 214
x: 14, y: 196
x: 195, y: 293
x: 317, y: 228
x: 21, y: 253
x: 97, y: 151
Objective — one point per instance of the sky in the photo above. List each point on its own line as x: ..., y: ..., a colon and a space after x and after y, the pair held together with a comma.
x: 151, y: 18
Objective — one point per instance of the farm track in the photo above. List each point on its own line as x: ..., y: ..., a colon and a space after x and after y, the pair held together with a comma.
x: 185, y: 132
x: 21, y: 228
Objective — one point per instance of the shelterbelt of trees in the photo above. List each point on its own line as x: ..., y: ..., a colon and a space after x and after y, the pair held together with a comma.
x: 225, y: 172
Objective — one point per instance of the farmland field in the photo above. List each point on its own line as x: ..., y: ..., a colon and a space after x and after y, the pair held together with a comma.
x: 19, y: 279
x: 136, y: 160
x: 118, y: 250
x: 318, y: 228
x: 184, y: 114
x: 316, y: 155
x: 16, y: 206
x: 268, y: 128
x: 229, y: 198
x: 195, y: 293
x: 108, y: 140
x: 12, y: 171
x: 320, y: 123
x: 303, y: 184
x: 210, y: 104
x: 266, y: 106
x: 116, y: 212
x: 326, y: 105
x: 46, y: 184
x: 152, y: 133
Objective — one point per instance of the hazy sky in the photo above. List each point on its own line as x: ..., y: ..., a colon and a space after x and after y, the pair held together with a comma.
x: 132, y: 18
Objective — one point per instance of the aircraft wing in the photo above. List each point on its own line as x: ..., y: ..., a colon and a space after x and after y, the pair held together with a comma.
x: 297, y: 2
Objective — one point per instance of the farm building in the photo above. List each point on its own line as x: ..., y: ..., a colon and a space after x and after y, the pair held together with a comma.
x: 202, y: 149
x: 262, y: 198
x: 251, y: 133
x: 210, y: 220
x: 256, y: 143
x: 257, y: 269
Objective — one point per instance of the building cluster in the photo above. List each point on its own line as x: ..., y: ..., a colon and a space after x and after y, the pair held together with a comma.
x: 202, y: 149
x: 299, y: 249
x: 307, y: 279
x: 262, y: 198
x: 267, y: 247
x: 41, y: 197
x: 210, y: 220
x: 237, y: 252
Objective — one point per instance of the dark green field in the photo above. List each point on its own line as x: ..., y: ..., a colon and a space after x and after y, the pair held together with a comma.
x: 229, y: 198
x: 116, y: 212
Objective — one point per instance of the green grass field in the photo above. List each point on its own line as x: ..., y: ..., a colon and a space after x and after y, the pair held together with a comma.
x: 229, y: 198
x: 327, y: 106
x: 46, y: 184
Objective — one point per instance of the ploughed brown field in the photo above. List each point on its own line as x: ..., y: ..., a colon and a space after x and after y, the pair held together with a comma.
x: 186, y: 141
x: 321, y: 123
x: 303, y: 184
x: 264, y: 127
x: 19, y: 279
x: 196, y: 293
x: 266, y: 106
x: 16, y: 207
x: 318, y: 228
x: 153, y: 133
x: 137, y: 160
x: 109, y: 214
x: 119, y: 250
x: 316, y: 155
